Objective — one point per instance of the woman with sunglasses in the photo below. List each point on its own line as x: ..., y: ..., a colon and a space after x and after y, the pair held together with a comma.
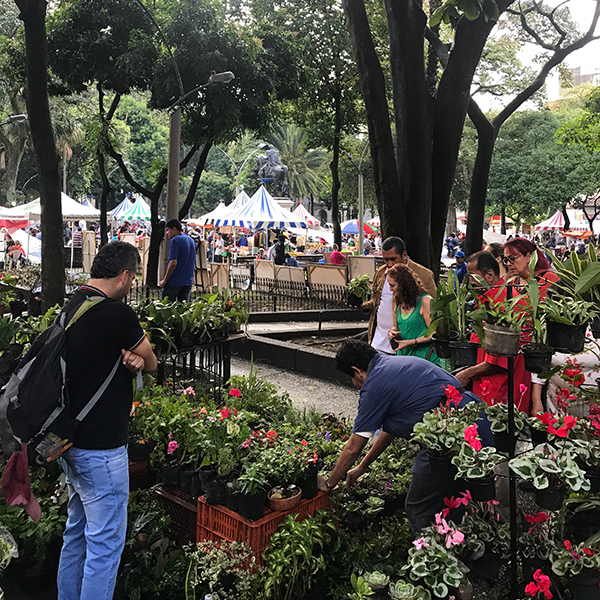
x: 517, y: 253
x: 412, y: 315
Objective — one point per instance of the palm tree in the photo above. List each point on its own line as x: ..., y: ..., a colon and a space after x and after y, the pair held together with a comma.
x: 303, y: 164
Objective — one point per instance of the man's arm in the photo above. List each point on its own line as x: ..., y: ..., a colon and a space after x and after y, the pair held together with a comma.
x: 142, y: 357
x: 350, y: 453
x: 170, y: 268
x: 381, y: 443
x: 481, y: 370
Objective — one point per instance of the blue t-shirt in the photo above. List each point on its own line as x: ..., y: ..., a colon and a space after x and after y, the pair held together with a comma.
x: 182, y: 249
x: 461, y: 271
x: 398, y: 391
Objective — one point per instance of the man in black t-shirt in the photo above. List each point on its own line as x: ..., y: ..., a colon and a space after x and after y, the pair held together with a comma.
x: 96, y: 466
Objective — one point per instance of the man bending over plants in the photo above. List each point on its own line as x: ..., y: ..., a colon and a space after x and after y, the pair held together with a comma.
x: 395, y: 393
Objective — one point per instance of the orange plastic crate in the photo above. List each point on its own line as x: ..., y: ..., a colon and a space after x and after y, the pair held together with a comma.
x: 218, y: 523
x: 182, y: 510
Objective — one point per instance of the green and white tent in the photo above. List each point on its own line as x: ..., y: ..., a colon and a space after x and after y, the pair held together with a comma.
x: 139, y: 211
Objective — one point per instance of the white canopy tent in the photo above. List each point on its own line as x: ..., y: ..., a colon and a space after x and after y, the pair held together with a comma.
x: 239, y: 201
x: 260, y: 212
x: 121, y: 208
x: 71, y: 209
x: 138, y: 211
x: 209, y: 218
x: 302, y: 213
x: 33, y: 246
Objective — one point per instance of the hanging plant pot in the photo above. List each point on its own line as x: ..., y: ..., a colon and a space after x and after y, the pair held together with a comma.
x: 170, y: 475
x: 308, y: 483
x: 252, y: 506
x: 503, y: 442
x: 550, y: 498
x: 483, y: 489
x: 537, y: 357
x: 353, y: 300
x: 441, y: 347
x: 216, y: 492
x: 585, y: 586
x: 17, y: 308
x: 566, y: 338
x: 487, y: 567
x: 279, y: 504
x: 441, y: 465
x: 501, y: 341
x: 463, y: 354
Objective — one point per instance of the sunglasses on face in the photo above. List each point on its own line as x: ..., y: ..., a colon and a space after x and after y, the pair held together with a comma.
x: 509, y: 260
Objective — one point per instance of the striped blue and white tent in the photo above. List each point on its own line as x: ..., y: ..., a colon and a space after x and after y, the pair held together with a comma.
x: 262, y: 211
x: 118, y: 212
x: 209, y: 218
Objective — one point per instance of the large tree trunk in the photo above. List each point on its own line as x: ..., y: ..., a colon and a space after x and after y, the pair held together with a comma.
x: 33, y: 15
x: 103, y: 199
x: 413, y: 109
x: 334, y: 168
x: 479, y: 180
x: 372, y: 83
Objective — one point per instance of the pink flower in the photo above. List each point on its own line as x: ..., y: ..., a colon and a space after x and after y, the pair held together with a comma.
x: 190, y: 391
x: 471, y: 437
x: 235, y: 392
x: 523, y: 389
x: 442, y: 526
x: 172, y: 447
x: 454, y: 538
x: 170, y: 436
x: 484, y: 386
x: 421, y: 543
x: 203, y: 410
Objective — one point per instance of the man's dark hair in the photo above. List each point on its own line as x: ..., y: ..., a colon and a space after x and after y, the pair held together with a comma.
x: 394, y: 243
x: 485, y: 262
x: 353, y: 353
x: 113, y: 259
x: 287, y: 256
x: 496, y: 249
x: 173, y: 224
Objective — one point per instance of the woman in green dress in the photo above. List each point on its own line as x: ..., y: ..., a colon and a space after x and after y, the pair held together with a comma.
x: 412, y: 311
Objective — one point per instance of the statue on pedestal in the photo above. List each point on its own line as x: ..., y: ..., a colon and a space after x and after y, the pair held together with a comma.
x: 271, y: 169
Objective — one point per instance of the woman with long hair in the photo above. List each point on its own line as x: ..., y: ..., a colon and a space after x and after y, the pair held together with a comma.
x: 517, y: 253
x: 412, y: 311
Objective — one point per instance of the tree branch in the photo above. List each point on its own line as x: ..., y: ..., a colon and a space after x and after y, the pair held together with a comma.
x: 126, y: 174
x: 113, y: 107
x: 440, y: 48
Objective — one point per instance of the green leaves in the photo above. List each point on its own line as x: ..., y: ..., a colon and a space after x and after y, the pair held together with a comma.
x: 451, y: 11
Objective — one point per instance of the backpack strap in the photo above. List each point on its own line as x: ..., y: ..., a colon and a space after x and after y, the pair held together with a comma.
x: 88, y: 303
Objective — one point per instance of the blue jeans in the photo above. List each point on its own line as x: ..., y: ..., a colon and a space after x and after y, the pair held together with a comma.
x: 98, y: 484
x: 181, y: 293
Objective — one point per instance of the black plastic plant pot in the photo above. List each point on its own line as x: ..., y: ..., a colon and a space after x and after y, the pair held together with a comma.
x: 501, y: 341
x: 353, y: 300
x: 566, y: 338
x: 585, y: 587
x: 140, y: 451
x: 537, y: 358
x: 487, y: 567
x: 171, y: 475
x: 503, y: 442
x: 594, y: 477
x: 216, y: 492
x: 483, y: 489
x: 441, y: 465
x: 595, y: 327
x: 308, y: 483
x: 196, y: 489
x: 233, y: 501
x: 17, y: 308
x: 252, y: 506
x: 463, y: 354
x: 185, y: 480
x: 538, y: 437
x: 207, y: 474
x: 550, y: 498
x: 441, y: 347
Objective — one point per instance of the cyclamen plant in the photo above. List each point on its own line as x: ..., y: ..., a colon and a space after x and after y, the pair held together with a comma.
x: 473, y: 461
x: 497, y: 415
x: 571, y: 559
x: 541, y: 585
x: 537, y: 541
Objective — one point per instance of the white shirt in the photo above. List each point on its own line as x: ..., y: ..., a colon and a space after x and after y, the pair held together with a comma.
x: 219, y: 247
x: 385, y: 321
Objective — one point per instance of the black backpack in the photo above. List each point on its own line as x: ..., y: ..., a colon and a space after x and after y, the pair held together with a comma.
x: 34, y: 404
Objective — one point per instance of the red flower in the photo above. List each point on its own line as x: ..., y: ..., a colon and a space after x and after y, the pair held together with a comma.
x: 471, y: 437
x: 567, y: 544
x: 235, y: 392
x: 484, y: 386
x: 531, y: 589
x: 452, y: 394
x: 587, y: 552
x: 304, y: 442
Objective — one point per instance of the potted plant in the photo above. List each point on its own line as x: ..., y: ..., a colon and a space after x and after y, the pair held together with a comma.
x: 497, y: 415
x: 463, y: 352
x: 540, y: 586
x: 252, y: 492
x: 537, y: 354
x: 377, y: 581
x: 535, y: 544
x: 580, y: 564
x: 441, y: 320
x: 566, y: 321
x: 587, y: 452
x: 359, y: 289
x: 434, y: 567
x: 475, y: 464
x: 441, y: 431
x: 498, y: 322
x: 284, y: 498
x: 552, y: 471
x: 402, y: 590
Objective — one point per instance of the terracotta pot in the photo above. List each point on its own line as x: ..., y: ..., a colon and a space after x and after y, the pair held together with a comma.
x: 285, y: 503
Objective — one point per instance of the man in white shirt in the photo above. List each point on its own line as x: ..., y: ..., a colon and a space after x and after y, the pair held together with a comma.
x: 219, y: 245
x: 380, y: 305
